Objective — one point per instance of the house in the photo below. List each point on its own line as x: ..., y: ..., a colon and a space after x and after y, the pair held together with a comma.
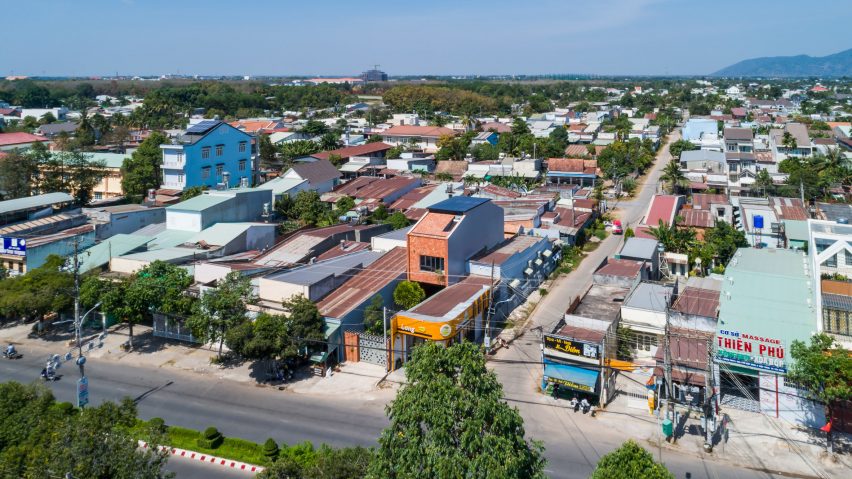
x: 21, y: 255
x: 448, y: 235
x: 642, y: 249
x: 20, y: 141
x: 703, y: 168
x: 255, y: 127
x: 799, y: 133
x: 485, y: 137
x: 306, y: 245
x: 739, y: 140
x: 280, y: 187
x: 347, y: 302
x: 496, y: 126
x: 313, y: 281
x: 33, y: 207
x: 214, y: 206
x: 645, y: 312
x: 663, y: 208
x: 122, y: 219
x: 321, y: 175
x: 110, y: 184
x: 410, y: 162
x: 52, y: 130
x: 718, y: 205
x: 573, y: 171
x: 369, y: 191
x: 423, y: 137
x: 208, y: 153
x: 697, y: 129
x: 282, y: 137
x: 830, y: 247
x: 369, y: 150
x: 624, y: 273
x: 697, y: 306
x: 59, y: 113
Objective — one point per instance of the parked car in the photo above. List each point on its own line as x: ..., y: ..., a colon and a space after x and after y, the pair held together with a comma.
x: 616, y: 227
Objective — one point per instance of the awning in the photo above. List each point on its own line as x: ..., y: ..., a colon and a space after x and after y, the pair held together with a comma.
x: 547, y: 253
x: 538, y: 261
x: 573, y: 377
x: 515, y: 283
x: 351, y: 167
x: 528, y: 271
x: 683, y: 377
x: 319, y: 358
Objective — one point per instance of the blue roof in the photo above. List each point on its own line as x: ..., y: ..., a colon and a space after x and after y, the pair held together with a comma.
x: 574, y: 377
x: 457, y: 205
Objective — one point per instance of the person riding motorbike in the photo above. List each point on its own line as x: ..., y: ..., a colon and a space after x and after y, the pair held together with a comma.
x: 10, y: 351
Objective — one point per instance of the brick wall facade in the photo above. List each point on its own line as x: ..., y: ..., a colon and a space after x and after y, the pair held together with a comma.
x: 429, y: 246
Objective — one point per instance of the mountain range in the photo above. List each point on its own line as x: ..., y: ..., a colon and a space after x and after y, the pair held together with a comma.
x: 836, y: 65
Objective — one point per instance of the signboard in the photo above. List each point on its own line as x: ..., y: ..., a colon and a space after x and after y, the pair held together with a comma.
x: 82, y: 391
x: 751, y: 351
x: 570, y: 384
x: 13, y: 246
x: 572, y: 346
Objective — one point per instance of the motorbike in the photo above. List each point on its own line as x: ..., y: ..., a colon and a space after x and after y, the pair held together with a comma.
x: 575, y: 404
x: 49, y: 375
x: 586, y: 406
x: 14, y: 355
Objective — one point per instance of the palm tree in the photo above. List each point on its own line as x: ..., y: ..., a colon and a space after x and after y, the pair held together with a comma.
x: 674, y: 177
x: 674, y: 239
x: 789, y: 142
x: 443, y: 176
x: 470, y: 180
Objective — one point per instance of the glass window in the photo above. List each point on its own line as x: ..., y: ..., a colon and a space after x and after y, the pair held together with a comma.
x: 219, y: 149
x: 242, y: 147
x: 431, y: 263
x: 205, y: 153
x: 219, y: 168
x: 831, y: 262
x: 205, y: 172
x: 242, y: 165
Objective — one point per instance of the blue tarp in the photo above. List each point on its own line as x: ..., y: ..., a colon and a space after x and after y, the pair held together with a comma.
x: 573, y: 377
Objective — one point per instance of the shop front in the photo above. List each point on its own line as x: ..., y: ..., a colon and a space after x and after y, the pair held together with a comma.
x: 572, y: 368
x: 742, y: 358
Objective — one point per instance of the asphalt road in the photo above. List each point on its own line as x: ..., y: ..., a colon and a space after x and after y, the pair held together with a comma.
x: 192, y: 469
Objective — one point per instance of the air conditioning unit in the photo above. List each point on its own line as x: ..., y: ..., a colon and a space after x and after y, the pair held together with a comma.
x: 244, y: 182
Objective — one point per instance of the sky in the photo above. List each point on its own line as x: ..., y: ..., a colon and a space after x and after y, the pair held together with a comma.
x: 410, y: 37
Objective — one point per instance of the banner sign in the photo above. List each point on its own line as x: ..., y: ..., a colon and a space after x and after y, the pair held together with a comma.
x: 572, y: 346
x: 569, y: 384
x: 751, y: 351
x: 13, y: 246
x: 82, y: 391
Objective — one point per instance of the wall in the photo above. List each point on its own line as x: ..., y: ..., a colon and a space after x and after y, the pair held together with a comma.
x: 373, y: 349
x: 125, y: 222
x: 428, y: 246
x: 223, y: 135
x: 480, y: 230
x: 183, y: 220
x: 278, y: 291
x: 37, y: 255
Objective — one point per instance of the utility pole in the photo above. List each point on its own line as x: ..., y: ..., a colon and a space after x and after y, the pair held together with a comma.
x: 709, y: 397
x: 385, y: 335
x: 670, y: 400
x: 487, y: 339
x: 77, y: 325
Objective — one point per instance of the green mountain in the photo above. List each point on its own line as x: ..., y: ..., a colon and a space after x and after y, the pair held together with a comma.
x: 836, y: 65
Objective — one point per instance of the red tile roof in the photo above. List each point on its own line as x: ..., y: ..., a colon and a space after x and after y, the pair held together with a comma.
x: 379, y: 190
x: 496, y: 126
x: 581, y: 150
x: 500, y: 191
x: 360, y: 150
x: 17, y: 138
x: 448, y: 298
x: 573, y: 165
x: 414, y: 130
x: 409, y: 199
x: 663, y: 207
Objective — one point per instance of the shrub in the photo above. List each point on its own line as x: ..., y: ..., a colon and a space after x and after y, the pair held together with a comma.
x: 64, y: 408
x: 211, y: 439
x: 270, y: 449
x: 157, y: 424
x: 542, y: 291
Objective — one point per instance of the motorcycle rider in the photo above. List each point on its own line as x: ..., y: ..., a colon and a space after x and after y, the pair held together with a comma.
x: 10, y: 351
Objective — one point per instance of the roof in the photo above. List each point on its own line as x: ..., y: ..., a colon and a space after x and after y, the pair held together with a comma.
x: 56, y: 128
x: 507, y: 249
x: 360, y: 150
x: 166, y: 254
x: 439, y: 224
x: 414, y: 130
x: 602, y: 302
x: 698, y: 301
x: 366, y: 284
x: 117, y: 245
x: 496, y: 126
x: 457, y: 205
x: 37, y: 201
x: 697, y: 218
x: 662, y: 207
x: 316, y: 171
x: 345, y: 247
x: 280, y: 185
x: 835, y: 211
x: 573, y: 165
x: 19, y: 138
x: 686, y: 350
x: 111, y: 160
x: 450, y: 298
x: 368, y: 187
x: 316, y: 272
x: 739, y: 134
x: 650, y: 296
x: 702, y: 155
x: 199, y: 203
x: 412, y: 197
x: 220, y: 234
x: 64, y: 234
x: 639, y: 248
x: 453, y: 167
x: 703, y: 201
x: 788, y: 208
x: 626, y: 268
x: 800, y: 133
x: 580, y: 150
x: 796, y: 230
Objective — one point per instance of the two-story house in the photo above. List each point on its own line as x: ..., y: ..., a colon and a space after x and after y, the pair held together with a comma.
x: 209, y: 153
x: 739, y: 140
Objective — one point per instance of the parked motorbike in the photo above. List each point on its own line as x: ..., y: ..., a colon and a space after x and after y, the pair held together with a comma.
x: 585, y: 405
x: 575, y: 404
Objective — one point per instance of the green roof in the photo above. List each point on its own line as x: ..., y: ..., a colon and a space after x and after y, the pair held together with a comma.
x: 37, y: 201
x: 200, y: 203
x: 770, y: 296
x: 118, y: 245
x: 796, y: 230
x: 167, y: 254
x: 112, y: 160
x: 220, y: 234
x: 169, y: 238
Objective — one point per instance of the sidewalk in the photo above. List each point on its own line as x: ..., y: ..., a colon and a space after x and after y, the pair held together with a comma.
x: 752, y: 440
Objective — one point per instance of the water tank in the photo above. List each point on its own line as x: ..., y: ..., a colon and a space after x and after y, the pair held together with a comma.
x: 758, y: 221
x: 843, y: 221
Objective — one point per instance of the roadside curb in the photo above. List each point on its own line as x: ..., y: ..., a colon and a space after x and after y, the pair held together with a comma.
x: 219, y: 461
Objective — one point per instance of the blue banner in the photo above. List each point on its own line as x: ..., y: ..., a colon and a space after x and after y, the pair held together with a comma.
x: 13, y: 246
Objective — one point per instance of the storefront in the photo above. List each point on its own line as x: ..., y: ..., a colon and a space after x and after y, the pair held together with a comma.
x: 572, y: 366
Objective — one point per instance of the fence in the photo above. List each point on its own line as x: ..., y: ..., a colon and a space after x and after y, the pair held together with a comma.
x: 168, y: 327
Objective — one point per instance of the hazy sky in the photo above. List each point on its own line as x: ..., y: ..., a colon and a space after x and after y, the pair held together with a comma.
x: 336, y: 37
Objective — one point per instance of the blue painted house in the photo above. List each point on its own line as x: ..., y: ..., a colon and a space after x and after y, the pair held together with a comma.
x: 209, y: 153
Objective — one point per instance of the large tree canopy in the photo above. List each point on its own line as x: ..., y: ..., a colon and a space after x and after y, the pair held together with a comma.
x: 450, y: 420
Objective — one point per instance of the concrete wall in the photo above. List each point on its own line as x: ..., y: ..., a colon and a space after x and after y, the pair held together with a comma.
x: 278, y: 291
x: 184, y: 220
x: 124, y: 222
x: 37, y: 255
x: 230, y: 138
x: 481, y: 230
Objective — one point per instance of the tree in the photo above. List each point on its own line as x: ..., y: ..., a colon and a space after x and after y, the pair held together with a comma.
x: 18, y: 174
x: 398, y: 220
x: 308, y: 208
x: 674, y: 177
x: 192, y: 192
x: 408, y: 294
x: 395, y: 152
x: 298, y: 149
x: 628, y: 462
x: 444, y: 176
x: 450, y: 420
x: 41, y: 291
x: 222, y: 308
x: 789, y: 141
x: 824, y: 369
x: 723, y: 240
x: 141, y: 171
x: 47, y: 118
x: 330, y: 141
x: 380, y: 213
x: 485, y: 152
x: 763, y: 183
x: 267, y: 152
x: 305, y: 327
x: 325, y: 462
x: 679, y: 146
x: 374, y: 316
x: 314, y: 128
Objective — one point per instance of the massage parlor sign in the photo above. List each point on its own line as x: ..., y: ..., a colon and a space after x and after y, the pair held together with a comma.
x: 751, y: 351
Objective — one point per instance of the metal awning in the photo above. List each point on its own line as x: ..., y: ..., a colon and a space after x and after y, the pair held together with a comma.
x: 547, y: 253
x: 528, y: 271
x: 572, y: 377
x: 515, y: 283
x: 538, y: 261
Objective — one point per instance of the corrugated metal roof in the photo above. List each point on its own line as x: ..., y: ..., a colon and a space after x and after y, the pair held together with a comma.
x: 366, y: 284
x: 117, y: 245
x: 200, y: 203
x: 312, y: 273
x: 37, y: 201
x: 221, y: 234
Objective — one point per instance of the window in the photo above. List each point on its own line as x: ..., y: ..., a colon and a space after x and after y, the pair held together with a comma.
x: 431, y: 263
x: 848, y: 257
x: 242, y: 165
x: 219, y: 149
x: 205, y: 173
x: 99, y: 195
x: 242, y: 147
x: 831, y: 262
x: 205, y: 153
x: 180, y: 178
x: 644, y: 342
x: 720, y: 212
x: 837, y: 321
x: 219, y: 168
